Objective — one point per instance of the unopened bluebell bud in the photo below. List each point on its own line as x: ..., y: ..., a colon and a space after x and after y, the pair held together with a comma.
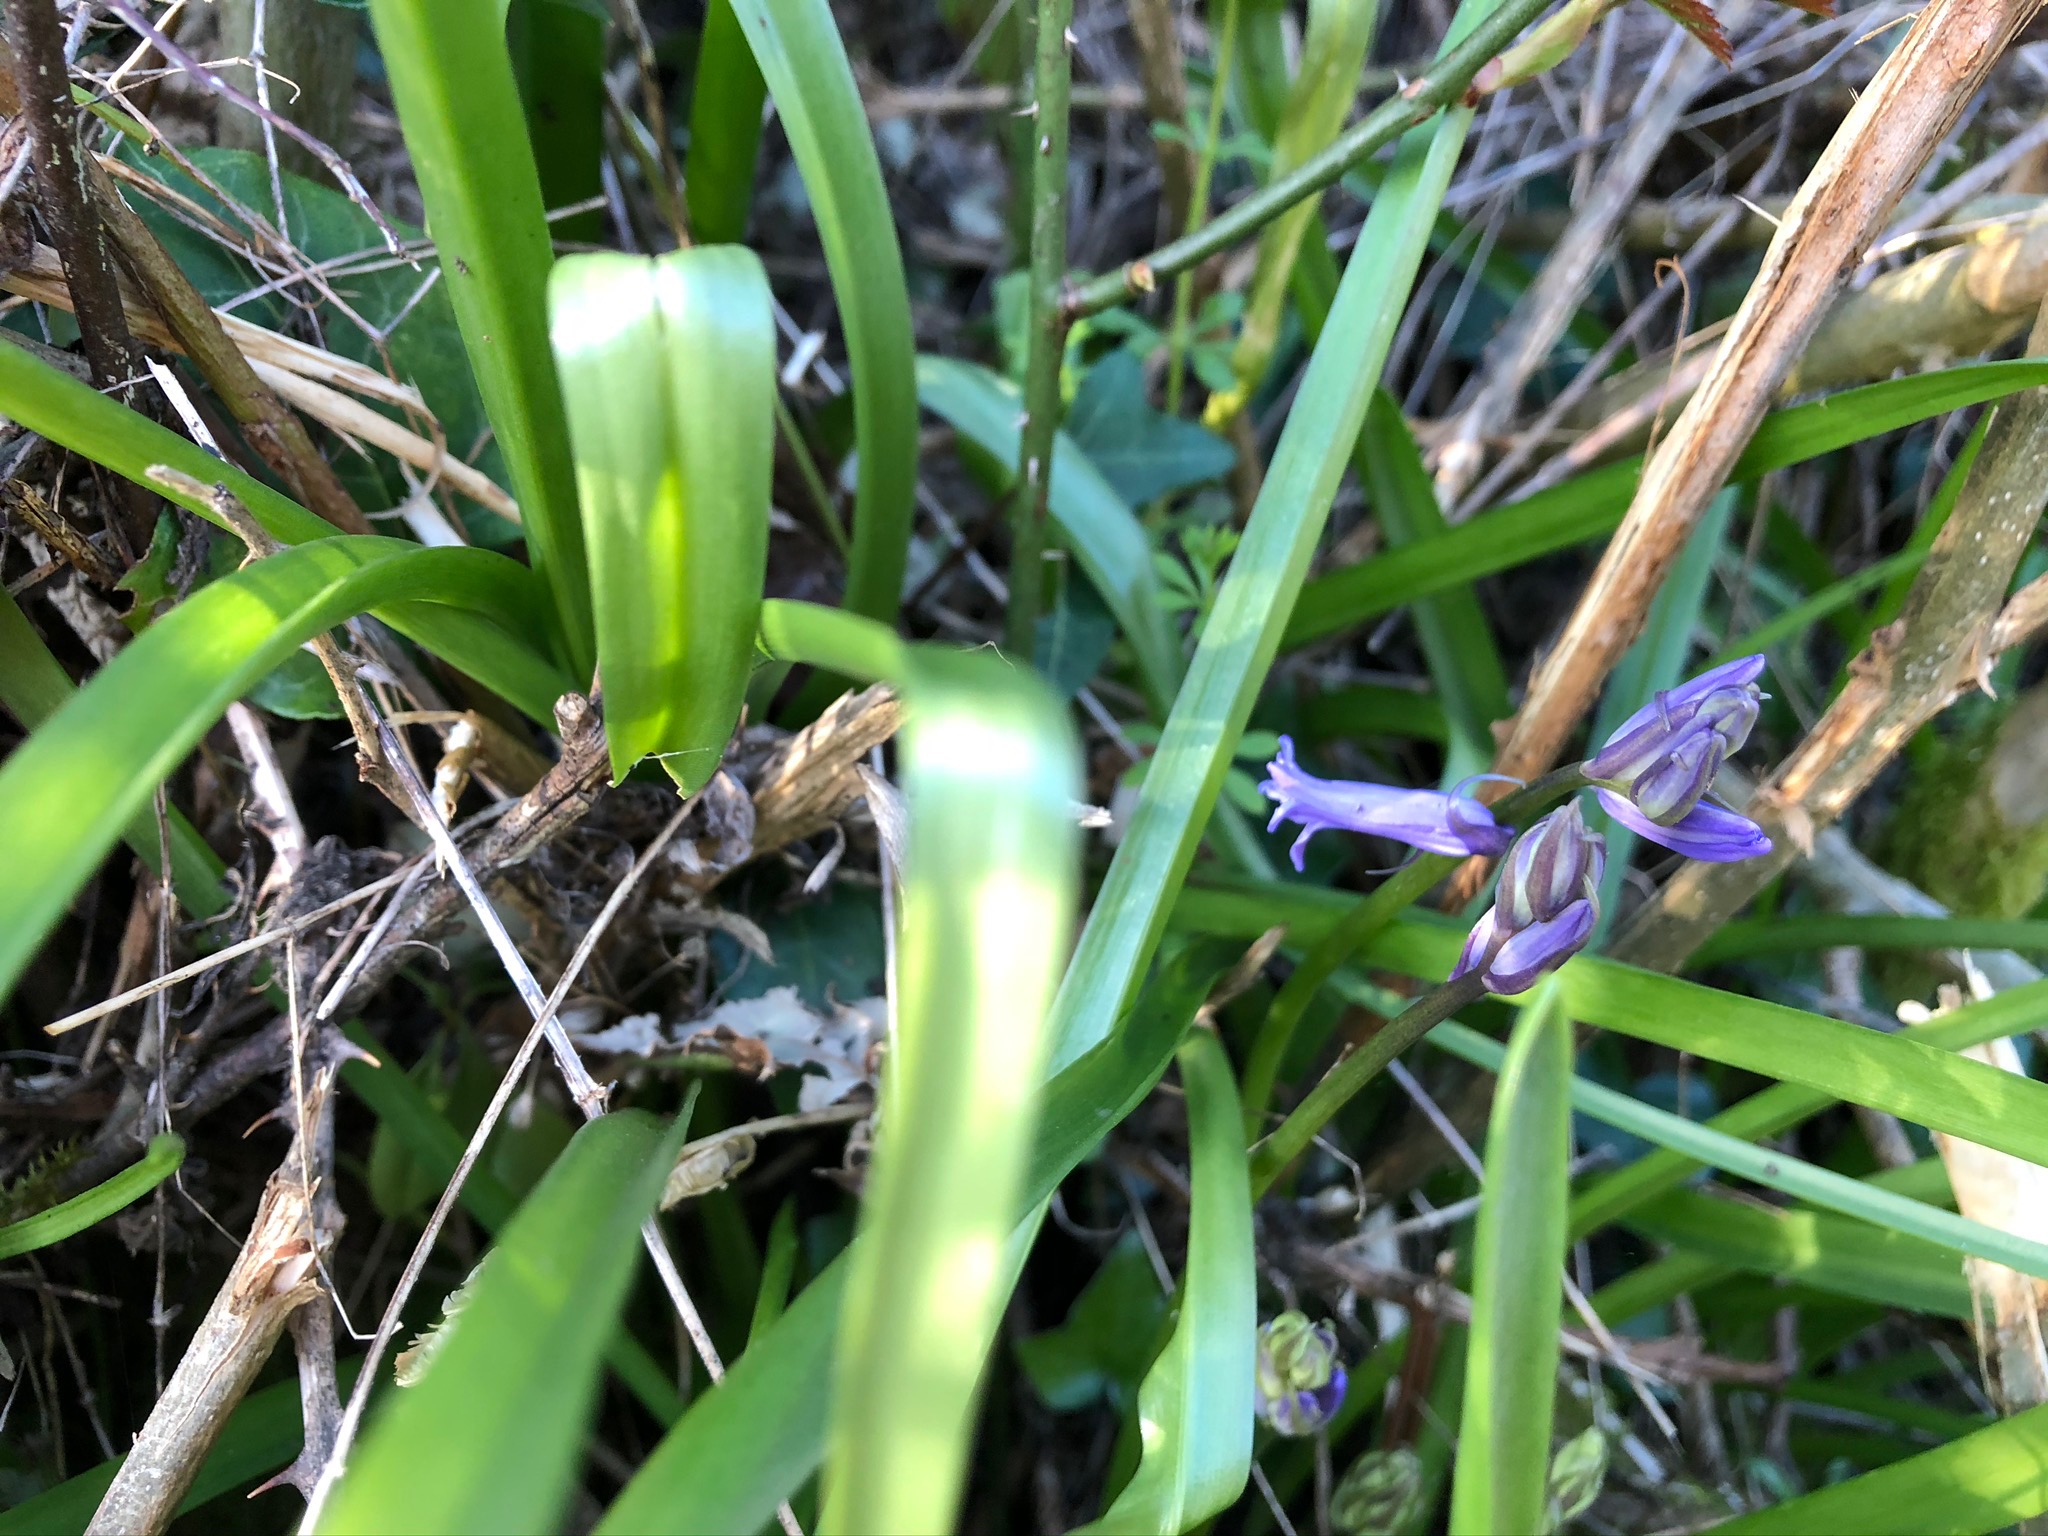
x: 1381, y: 1495
x: 1654, y: 773
x: 1546, y: 907
x: 1299, y: 1375
x: 1422, y: 818
x: 1577, y: 1472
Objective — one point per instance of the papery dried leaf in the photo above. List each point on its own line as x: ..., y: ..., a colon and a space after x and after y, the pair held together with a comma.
x: 1697, y: 17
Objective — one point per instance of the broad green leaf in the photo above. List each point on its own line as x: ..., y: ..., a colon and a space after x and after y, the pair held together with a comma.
x: 796, y: 45
x: 756, y: 1437
x: 1195, y: 1405
x: 990, y: 772
x: 499, y: 644
x: 1988, y: 1481
x: 1931, y: 1227
x: 1141, y: 451
x: 668, y: 373
x: 725, y: 129
x: 813, y: 635
x: 1592, y: 504
x: 1267, y: 569
x: 159, y: 1161
x: 1333, y: 52
x: 262, y: 1435
x: 1830, y: 1252
x: 33, y: 686
x: 1498, y: 1480
x: 1105, y: 535
x: 490, y: 1438
x: 80, y: 780
x: 451, y: 80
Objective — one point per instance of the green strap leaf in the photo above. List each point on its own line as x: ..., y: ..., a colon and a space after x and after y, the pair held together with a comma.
x: 80, y: 781
x: 990, y: 772
x: 1592, y: 504
x: 159, y: 1162
x: 1498, y: 1481
x: 796, y: 45
x: 668, y: 371
x: 490, y: 1438
x: 1195, y: 1405
x: 451, y: 80
x: 725, y: 129
x: 1988, y: 1481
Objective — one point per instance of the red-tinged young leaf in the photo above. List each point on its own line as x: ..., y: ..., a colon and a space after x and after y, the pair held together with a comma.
x: 1697, y: 17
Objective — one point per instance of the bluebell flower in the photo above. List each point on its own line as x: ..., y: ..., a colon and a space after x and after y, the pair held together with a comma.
x: 1654, y: 773
x: 1546, y: 906
x: 1422, y: 818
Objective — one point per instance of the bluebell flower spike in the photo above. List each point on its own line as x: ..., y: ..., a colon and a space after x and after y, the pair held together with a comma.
x: 1427, y: 819
x: 1653, y: 774
x: 1545, y: 909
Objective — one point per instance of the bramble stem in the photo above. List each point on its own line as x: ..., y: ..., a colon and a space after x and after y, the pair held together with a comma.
x: 1420, y: 100
x: 1046, y: 322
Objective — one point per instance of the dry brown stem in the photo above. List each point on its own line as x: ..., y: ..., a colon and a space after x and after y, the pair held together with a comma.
x: 1163, y: 69
x: 275, y: 1274
x: 279, y: 436
x: 811, y: 780
x: 1911, y: 671
x: 1871, y: 161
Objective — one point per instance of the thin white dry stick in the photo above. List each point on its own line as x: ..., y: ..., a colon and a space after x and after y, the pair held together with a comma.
x: 221, y: 957
x: 589, y: 1096
x: 409, y: 1277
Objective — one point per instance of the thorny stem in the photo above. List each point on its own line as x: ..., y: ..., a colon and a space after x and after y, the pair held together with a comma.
x: 1416, y: 103
x: 1355, y: 930
x: 1352, y: 1073
x: 1046, y: 323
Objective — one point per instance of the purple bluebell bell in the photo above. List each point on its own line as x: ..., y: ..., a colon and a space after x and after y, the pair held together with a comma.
x: 1546, y: 906
x: 1654, y: 773
x: 1299, y: 1376
x: 1422, y: 818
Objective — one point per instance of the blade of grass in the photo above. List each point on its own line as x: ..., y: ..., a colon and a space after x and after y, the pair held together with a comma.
x: 451, y: 81
x: 490, y: 1437
x: 1804, y: 933
x: 81, y: 780
x: 1243, y: 633
x: 33, y: 686
x: 668, y: 372
x: 1592, y: 504
x: 796, y: 46
x: 159, y: 1161
x: 990, y: 773
x: 1987, y: 1481
x: 1498, y: 1481
x: 1775, y: 1170
x: 1195, y: 1405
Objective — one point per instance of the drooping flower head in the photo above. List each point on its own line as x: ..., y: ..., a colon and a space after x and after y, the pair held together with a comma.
x: 1422, y: 818
x: 1546, y: 907
x: 1654, y: 773
x: 1300, y: 1378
